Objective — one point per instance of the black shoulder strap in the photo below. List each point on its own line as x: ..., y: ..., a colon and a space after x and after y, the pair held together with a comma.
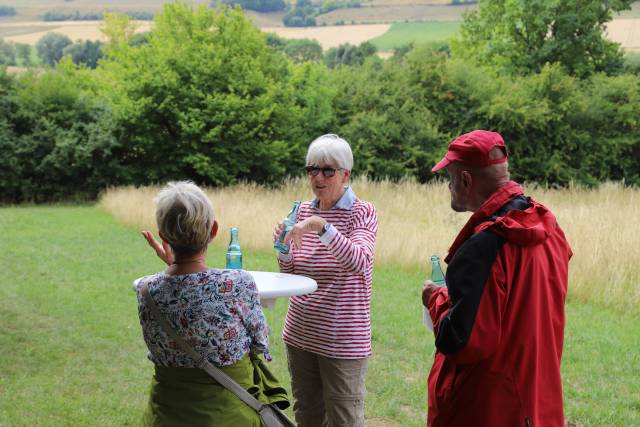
x: 519, y: 202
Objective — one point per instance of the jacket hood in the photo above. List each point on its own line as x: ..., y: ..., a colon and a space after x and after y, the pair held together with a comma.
x: 527, y: 227
x: 523, y: 227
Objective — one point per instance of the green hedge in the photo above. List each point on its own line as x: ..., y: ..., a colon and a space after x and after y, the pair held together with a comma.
x: 401, y: 114
x: 58, y: 140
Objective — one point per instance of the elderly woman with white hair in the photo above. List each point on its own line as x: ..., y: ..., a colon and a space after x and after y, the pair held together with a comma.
x: 217, y: 312
x: 328, y: 333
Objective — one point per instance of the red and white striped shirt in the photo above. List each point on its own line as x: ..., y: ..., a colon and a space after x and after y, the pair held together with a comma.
x: 335, y: 320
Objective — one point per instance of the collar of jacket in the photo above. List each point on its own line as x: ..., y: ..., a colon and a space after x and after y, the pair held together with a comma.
x: 488, y: 208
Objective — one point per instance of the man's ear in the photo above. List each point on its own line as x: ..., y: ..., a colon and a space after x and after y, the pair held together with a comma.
x: 214, y: 229
x: 467, y: 180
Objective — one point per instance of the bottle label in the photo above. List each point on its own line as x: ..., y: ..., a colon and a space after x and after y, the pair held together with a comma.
x: 234, y: 261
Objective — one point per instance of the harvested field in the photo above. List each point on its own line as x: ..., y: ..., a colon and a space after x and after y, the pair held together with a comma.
x: 16, y: 70
x: 33, y: 10
x: 332, y: 36
x: 328, y: 37
x: 30, y: 32
x: 7, y: 31
x: 626, y: 32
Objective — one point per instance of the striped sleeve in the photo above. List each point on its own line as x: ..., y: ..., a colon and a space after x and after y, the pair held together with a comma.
x: 285, y: 262
x: 355, y: 254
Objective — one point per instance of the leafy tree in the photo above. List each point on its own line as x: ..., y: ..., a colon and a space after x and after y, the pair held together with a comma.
x: 58, y: 138
x: 50, y: 47
x: 562, y: 129
x: 632, y: 62
x: 314, y: 94
x: 7, y: 11
x: 348, y: 54
x: 84, y: 52
x: 57, y: 15
x: 298, y: 50
x: 521, y: 36
x: 257, y: 5
x: 204, y: 99
x: 139, y: 39
x: 304, y: 12
x: 558, y: 128
x: 275, y: 41
x: 393, y: 132
x: 302, y: 15
x: 23, y: 54
x: 303, y: 50
x: 119, y: 29
x: 9, y: 179
x: 330, y: 5
x: 7, y: 53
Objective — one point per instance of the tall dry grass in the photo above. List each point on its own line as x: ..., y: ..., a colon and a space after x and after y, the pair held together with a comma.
x: 415, y: 221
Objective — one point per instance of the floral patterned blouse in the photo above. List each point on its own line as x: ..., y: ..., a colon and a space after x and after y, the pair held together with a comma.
x: 217, y: 312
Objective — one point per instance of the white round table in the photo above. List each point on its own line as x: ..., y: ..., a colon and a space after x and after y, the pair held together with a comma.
x: 276, y: 285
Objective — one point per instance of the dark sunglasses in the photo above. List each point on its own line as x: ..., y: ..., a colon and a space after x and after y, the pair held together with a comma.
x: 314, y: 171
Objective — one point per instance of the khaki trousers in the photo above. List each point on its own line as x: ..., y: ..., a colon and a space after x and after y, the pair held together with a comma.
x: 328, y: 392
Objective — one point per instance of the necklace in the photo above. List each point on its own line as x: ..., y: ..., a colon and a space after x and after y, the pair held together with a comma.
x: 189, y: 261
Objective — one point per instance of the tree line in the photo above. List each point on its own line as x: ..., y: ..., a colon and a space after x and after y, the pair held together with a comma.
x: 227, y: 105
x: 59, y: 15
x: 49, y: 49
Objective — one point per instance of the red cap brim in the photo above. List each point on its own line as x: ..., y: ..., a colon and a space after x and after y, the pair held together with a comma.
x: 441, y: 164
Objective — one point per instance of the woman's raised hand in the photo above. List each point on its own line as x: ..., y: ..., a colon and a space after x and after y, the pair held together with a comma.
x: 163, y: 250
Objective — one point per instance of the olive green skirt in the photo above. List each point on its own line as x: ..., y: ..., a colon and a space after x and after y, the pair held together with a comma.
x: 190, y: 397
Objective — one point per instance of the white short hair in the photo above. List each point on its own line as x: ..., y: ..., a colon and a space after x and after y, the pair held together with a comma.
x: 184, y: 215
x: 330, y: 149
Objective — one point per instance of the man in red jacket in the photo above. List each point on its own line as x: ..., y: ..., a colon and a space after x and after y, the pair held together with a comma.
x: 499, y: 322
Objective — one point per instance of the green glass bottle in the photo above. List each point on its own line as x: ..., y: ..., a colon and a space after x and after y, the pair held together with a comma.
x: 288, y: 223
x: 437, y: 276
x: 234, y: 253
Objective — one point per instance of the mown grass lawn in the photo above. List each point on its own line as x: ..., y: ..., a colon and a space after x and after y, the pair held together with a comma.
x: 403, y: 33
x: 71, y: 352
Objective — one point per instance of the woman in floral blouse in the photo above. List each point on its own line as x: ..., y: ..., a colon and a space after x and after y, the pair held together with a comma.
x: 216, y: 311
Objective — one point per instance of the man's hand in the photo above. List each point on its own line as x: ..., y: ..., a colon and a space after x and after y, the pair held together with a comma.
x: 428, y: 288
x: 311, y: 224
x: 163, y: 250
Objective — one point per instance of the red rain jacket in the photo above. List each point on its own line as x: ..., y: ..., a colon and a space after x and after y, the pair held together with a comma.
x: 499, y: 324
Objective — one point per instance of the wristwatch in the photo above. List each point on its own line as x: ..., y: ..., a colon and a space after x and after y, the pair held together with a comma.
x: 324, y: 229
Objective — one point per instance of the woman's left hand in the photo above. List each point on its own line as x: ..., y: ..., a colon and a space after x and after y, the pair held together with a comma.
x: 311, y: 224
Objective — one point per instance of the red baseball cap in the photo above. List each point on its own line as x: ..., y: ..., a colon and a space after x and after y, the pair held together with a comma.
x: 472, y: 149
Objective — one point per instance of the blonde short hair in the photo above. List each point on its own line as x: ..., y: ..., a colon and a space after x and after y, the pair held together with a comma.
x: 184, y: 215
x: 330, y: 149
